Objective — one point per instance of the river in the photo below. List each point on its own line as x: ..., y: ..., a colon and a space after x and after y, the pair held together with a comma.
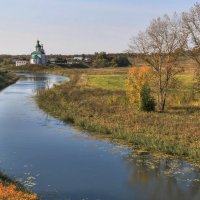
x: 60, y: 162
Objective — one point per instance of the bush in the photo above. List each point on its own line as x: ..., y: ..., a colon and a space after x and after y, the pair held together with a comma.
x: 148, y: 103
x: 120, y: 61
x: 99, y: 63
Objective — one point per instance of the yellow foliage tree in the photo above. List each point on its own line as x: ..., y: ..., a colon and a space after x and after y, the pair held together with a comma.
x: 137, y: 78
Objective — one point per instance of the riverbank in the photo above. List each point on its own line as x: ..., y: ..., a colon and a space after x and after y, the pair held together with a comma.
x: 12, y: 190
x: 6, y: 79
x: 107, y: 112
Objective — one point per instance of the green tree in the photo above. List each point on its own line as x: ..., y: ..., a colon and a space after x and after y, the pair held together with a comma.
x: 120, y: 61
x: 147, y: 101
x: 101, y: 60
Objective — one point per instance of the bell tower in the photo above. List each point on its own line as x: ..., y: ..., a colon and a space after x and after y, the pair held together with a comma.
x: 38, y: 46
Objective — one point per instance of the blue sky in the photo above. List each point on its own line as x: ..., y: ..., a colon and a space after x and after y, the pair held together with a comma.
x: 78, y: 26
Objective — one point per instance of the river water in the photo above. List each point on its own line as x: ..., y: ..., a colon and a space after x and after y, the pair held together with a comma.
x: 59, y: 162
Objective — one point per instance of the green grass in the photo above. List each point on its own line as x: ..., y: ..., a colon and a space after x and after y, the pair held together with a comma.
x: 109, y: 82
x: 183, y: 95
x: 186, y: 79
x: 117, y: 81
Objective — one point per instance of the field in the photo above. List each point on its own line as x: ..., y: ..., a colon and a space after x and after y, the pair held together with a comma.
x: 183, y: 95
x: 109, y: 82
x: 117, y: 81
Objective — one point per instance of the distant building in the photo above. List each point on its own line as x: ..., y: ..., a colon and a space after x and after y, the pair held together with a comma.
x: 78, y: 58
x: 70, y: 62
x: 38, y: 56
x: 21, y: 62
x: 57, y: 60
x: 88, y: 60
x: 52, y: 60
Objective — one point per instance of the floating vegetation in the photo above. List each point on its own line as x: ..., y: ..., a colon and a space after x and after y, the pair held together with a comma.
x: 182, y: 172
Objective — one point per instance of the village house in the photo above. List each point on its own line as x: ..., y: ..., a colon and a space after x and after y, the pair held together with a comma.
x: 21, y: 62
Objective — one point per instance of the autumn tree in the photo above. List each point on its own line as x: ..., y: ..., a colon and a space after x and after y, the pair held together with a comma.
x: 160, y: 47
x: 137, y: 88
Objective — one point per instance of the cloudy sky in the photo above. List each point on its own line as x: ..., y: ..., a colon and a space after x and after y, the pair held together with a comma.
x: 78, y: 26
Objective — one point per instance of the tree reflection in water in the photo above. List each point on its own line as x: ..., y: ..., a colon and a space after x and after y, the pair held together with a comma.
x: 153, y: 178
x: 41, y: 81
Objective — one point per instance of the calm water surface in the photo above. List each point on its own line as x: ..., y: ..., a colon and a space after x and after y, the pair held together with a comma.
x: 59, y: 162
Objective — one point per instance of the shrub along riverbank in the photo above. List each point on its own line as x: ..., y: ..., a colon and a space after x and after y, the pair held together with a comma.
x: 12, y: 190
x: 7, y: 78
x: 107, y: 112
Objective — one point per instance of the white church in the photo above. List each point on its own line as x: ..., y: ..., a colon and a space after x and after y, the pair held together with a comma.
x: 38, y: 56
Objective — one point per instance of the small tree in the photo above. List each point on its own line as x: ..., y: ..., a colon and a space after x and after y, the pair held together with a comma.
x: 148, y: 103
x: 138, y: 78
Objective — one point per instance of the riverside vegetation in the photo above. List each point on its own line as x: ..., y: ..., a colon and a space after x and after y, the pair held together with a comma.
x: 106, y: 110
x: 12, y: 190
x: 7, y: 78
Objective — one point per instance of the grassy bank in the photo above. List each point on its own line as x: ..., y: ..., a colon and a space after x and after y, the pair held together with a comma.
x: 13, y: 190
x: 7, y: 78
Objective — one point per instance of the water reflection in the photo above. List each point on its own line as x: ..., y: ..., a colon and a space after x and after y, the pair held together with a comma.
x: 163, y: 179
x: 40, y: 81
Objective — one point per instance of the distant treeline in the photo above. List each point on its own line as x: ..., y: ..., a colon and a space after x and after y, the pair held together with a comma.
x: 101, y: 59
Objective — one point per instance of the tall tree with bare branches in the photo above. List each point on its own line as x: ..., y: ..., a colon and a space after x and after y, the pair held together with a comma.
x: 160, y: 47
x: 191, y: 23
